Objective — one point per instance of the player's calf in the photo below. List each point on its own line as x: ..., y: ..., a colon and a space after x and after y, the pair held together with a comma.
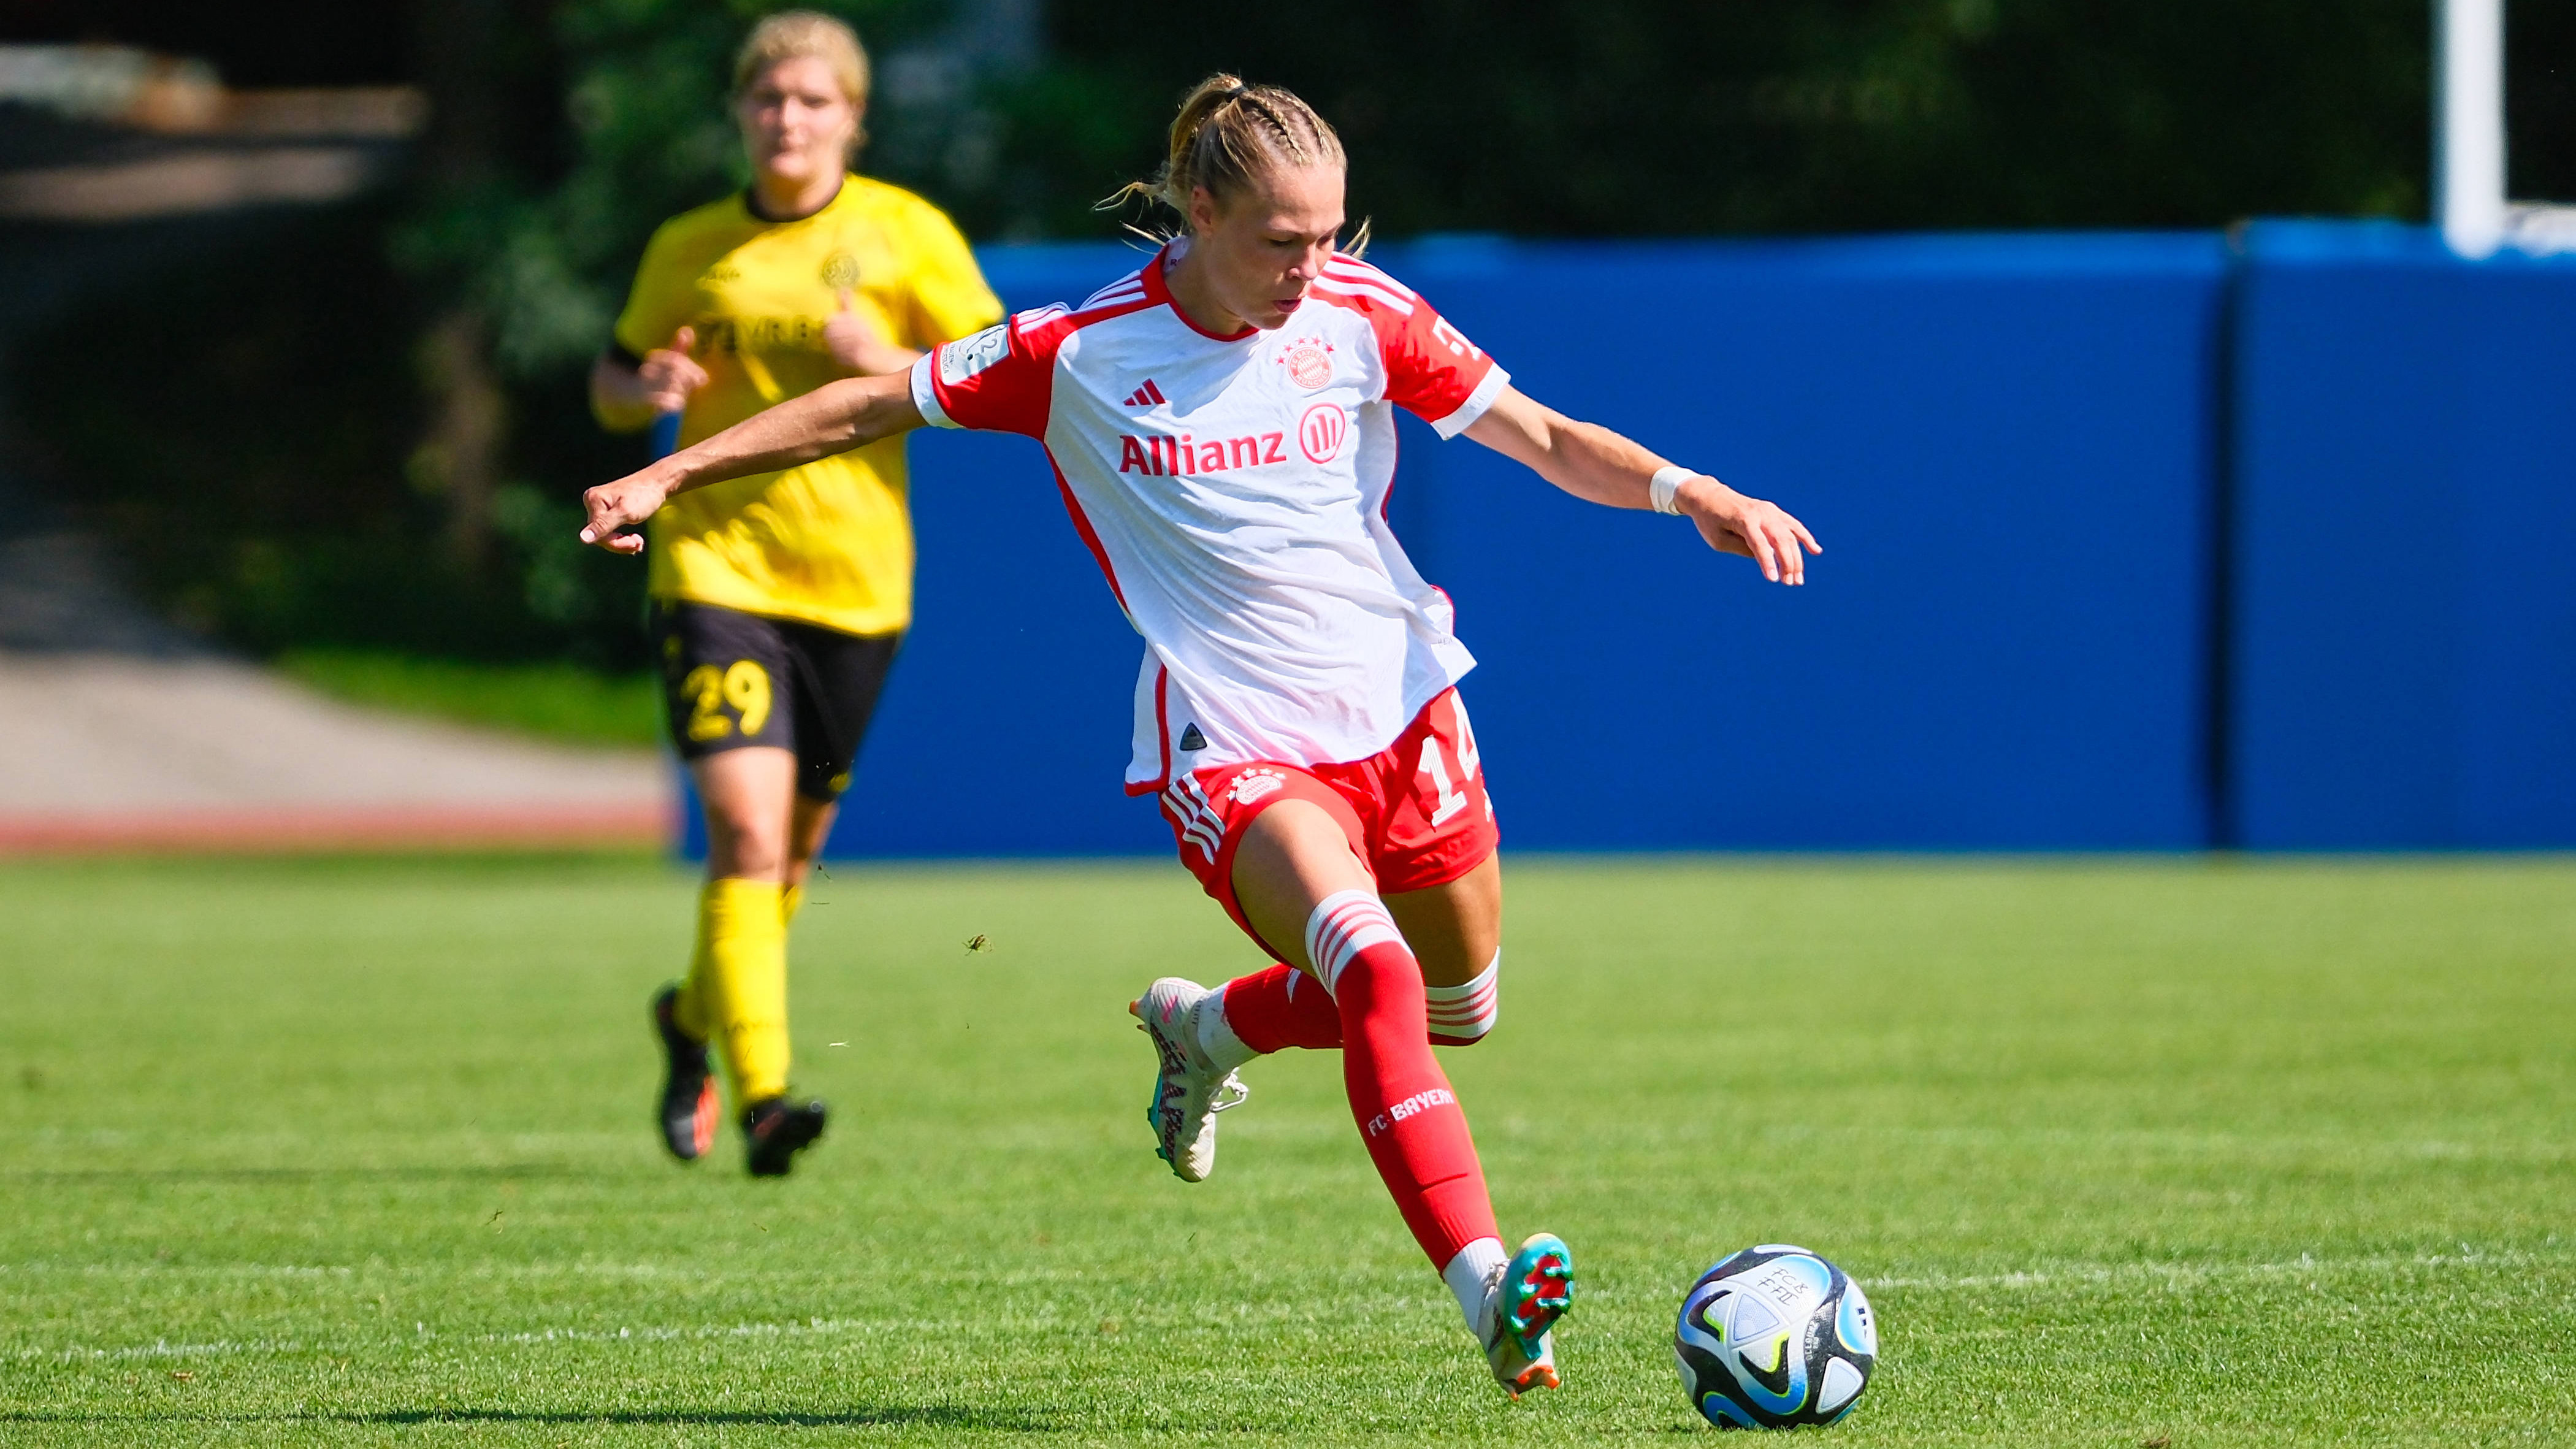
x: 1270, y: 1011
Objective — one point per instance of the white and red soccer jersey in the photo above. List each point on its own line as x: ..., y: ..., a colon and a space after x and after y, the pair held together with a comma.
x: 1234, y: 491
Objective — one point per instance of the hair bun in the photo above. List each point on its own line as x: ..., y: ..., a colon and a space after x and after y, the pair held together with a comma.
x: 1226, y: 131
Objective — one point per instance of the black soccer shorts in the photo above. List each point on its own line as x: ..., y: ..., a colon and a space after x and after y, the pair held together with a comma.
x: 732, y: 679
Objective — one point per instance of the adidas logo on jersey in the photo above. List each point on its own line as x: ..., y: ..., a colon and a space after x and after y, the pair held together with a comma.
x: 1146, y: 396
x: 1191, y: 739
x: 1165, y: 456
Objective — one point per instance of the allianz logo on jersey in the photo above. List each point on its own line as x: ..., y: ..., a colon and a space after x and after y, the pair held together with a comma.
x: 1320, y: 435
x: 1168, y: 456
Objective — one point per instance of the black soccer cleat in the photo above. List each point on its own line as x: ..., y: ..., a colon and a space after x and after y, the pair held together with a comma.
x: 778, y: 1129
x: 690, y: 1107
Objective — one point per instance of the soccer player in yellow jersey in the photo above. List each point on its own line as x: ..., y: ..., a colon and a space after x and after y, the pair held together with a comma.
x: 778, y: 599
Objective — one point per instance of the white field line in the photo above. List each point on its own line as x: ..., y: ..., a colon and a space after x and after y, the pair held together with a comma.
x: 2097, y: 1275
x: 2092, y: 1275
x: 2103, y: 1142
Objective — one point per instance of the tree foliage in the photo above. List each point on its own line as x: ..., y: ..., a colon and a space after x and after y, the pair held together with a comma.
x: 638, y: 93
x: 1663, y: 117
x: 570, y: 129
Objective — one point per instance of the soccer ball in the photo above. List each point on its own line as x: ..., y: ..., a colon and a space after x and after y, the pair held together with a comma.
x: 1774, y: 1337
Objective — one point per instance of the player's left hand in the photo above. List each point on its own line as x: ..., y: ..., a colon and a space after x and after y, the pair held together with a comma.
x: 612, y: 508
x: 1756, y: 528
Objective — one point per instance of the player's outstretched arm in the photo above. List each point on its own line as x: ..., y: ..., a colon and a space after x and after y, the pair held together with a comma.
x: 1591, y: 462
x: 833, y: 418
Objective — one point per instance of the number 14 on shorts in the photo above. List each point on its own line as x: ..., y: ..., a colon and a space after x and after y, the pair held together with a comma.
x: 1449, y: 796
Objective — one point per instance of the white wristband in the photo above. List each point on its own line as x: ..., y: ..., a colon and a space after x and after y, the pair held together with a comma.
x: 1667, y: 482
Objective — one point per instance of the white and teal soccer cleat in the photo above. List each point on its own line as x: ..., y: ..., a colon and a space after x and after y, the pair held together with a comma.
x: 1188, y: 1089
x: 1522, y: 1306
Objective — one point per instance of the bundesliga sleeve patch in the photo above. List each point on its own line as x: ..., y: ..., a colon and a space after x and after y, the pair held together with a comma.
x: 967, y: 356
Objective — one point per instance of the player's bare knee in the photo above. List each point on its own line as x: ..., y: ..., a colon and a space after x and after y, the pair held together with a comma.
x: 741, y: 843
x: 1455, y: 927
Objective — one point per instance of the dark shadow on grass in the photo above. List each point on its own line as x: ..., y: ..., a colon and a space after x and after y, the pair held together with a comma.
x: 942, y: 1416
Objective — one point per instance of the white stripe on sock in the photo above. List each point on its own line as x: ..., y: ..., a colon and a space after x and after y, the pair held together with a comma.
x: 1467, y: 1011
x: 1343, y: 925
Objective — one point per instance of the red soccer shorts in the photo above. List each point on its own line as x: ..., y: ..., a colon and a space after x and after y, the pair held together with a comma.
x: 1416, y: 812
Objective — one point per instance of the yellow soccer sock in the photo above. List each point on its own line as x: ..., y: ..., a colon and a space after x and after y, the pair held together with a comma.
x: 689, y: 1007
x: 742, y: 930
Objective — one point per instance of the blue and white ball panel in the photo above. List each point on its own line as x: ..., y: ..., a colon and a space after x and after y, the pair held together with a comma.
x: 1854, y: 1324
x: 1774, y: 1336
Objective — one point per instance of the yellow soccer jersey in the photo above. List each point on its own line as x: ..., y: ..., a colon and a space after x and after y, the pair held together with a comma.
x: 829, y: 543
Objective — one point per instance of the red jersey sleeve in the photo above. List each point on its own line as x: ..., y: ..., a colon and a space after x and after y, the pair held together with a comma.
x: 999, y: 380
x: 1432, y: 370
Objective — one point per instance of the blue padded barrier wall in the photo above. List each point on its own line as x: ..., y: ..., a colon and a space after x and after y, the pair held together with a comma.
x: 2006, y: 446
x: 2403, y: 639
x: 2005, y: 442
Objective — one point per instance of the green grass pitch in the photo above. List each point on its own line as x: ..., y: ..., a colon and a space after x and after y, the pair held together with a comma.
x: 2126, y: 1153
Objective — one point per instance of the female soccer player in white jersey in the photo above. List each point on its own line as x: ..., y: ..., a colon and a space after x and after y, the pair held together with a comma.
x: 1220, y: 424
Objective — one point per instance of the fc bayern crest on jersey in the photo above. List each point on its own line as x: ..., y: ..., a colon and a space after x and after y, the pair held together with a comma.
x: 1321, y: 430
x: 1309, y: 361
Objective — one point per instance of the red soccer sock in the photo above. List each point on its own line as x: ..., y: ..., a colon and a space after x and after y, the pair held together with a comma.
x: 1415, y: 1131
x: 1274, y: 1010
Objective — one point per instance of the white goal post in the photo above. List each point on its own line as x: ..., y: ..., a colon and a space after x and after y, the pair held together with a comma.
x: 2477, y: 219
